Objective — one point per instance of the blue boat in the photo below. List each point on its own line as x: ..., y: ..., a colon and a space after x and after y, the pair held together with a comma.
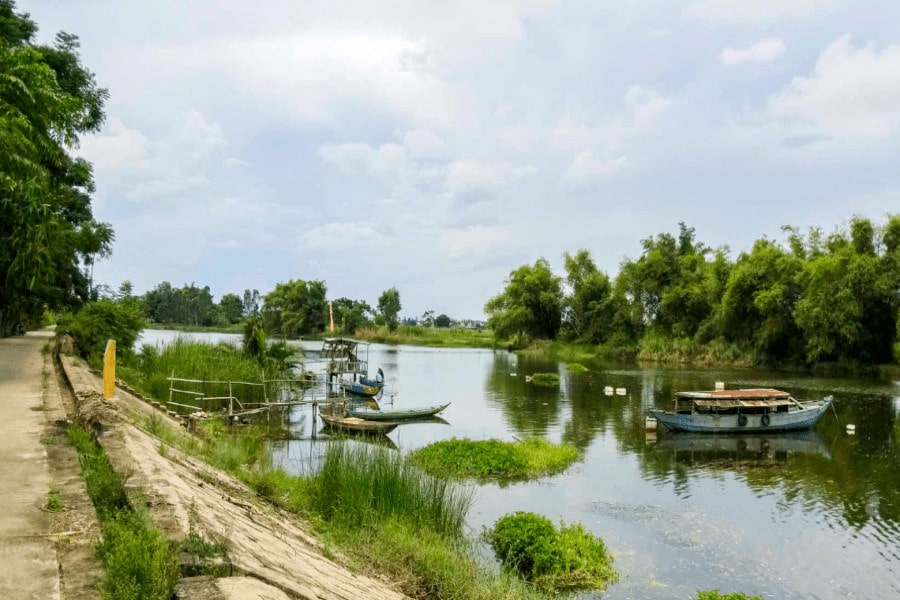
x: 361, y: 385
x: 741, y: 411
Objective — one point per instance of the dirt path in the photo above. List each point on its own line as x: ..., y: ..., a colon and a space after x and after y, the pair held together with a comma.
x: 184, y: 494
x: 28, y: 562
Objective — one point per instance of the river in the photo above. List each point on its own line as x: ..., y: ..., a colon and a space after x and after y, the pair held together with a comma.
x: 787, y: 516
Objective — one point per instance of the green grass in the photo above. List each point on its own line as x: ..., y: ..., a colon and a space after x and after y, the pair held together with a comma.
x: 139, y: 563
x: 494, y: 459
x: 236, y: 328
x: 54, y: 502
x: 554, y: 560
x: 546, y: 379
x: 715, y: 595
x: 438, y: 337
x: 576, y: 368
x: 665, y: 349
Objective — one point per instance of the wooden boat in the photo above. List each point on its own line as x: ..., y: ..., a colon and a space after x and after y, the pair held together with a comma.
x: 335, y: 418
x: 363, y: 387
x: 396, y: 414
x: 740, y: 411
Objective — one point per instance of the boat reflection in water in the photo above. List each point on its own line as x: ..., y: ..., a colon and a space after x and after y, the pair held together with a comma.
x: 723, y: 450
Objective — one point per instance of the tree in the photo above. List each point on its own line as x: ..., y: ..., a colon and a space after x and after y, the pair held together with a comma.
x: 530, y: 305
x: 231, y: 307
x: 442, y: 320
x: 296, y: 308
x: 389, y: 307
x: 350, y: 315
x: 48, y: 236
x: 589, y: 308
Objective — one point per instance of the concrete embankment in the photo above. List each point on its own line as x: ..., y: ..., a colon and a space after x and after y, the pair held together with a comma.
x: 269, y: 548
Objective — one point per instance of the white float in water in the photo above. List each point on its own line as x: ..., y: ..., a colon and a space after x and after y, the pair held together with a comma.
x: 608, y: 390
x: 720, y: 385
x: 620, y: 391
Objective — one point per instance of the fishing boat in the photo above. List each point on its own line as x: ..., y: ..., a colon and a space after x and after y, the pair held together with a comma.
x: 347, y: 365
x: 396, y: 414
x: 363, y: 386
x: 335, y: 418
x: 740, y: 411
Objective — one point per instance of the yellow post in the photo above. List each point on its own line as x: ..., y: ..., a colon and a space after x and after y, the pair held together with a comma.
x: 109, y: 370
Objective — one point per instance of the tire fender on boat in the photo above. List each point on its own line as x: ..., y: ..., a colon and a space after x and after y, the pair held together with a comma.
x: 742, y: 420
x: 764, y: 419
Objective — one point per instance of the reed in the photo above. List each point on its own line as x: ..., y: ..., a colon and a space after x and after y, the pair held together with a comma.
x: 437, y: 337
x: 381, y: 485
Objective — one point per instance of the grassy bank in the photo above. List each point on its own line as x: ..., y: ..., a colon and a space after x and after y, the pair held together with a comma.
x: 436, y: 337
x: 235, y: 328
x: 138, y: 562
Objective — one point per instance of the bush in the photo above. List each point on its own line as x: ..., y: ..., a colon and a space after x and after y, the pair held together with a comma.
x: 553, y: 560
x: 100, y: 321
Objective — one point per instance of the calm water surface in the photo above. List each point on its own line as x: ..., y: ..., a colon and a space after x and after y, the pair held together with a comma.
x: 812, y: 515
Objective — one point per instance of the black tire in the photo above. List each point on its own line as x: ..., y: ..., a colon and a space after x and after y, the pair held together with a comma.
x: 765, y: 420
x: 742, y: 420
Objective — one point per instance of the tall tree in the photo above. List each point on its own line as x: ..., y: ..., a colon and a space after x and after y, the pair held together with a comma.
x: 389, y: 307
x: 231, y: 307
x: 48, y: 236
x: 530, y: 305
x: 296, y: 308
x: 589, y: 307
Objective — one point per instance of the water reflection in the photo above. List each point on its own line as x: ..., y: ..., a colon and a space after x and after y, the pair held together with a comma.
x: 809, y: 515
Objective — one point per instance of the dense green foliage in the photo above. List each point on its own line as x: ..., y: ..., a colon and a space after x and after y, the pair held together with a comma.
x: 139, y: 563
x: 833, y: 299
x: 389, y: 308
x: 530, y: 306
x: 48, y: 237
x: 493, y: 459
x: 554, y: 560
x: 435, y: 337
x: 296, y: 308
x: 103, y: 320
x: 350, y: 315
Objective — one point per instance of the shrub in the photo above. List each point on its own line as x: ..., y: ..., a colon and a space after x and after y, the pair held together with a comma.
x: 100, y: 321
x: 553, y: 560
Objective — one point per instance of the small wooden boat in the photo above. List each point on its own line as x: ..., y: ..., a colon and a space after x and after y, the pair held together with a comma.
x: 741, y: 411
x: 335, y: 418
x: 363, y: 387
x: 396, y: 414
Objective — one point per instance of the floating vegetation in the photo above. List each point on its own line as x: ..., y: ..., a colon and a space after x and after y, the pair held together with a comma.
x: 576, y: 368
x: 494, y: 459
x: 715, y: 595
x: 554, y: 560
x: 546, y: 379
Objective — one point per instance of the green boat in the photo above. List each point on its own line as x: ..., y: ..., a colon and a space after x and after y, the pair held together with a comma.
x: 396, y: 414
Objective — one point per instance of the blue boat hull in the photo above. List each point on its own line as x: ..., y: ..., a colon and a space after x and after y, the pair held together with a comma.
x: 730, y: 423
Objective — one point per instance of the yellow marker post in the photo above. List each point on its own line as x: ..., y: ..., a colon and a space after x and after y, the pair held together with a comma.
x: 109, y: 370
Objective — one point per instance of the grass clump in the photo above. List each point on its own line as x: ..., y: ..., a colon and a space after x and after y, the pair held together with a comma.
x: 54, y: 501
x: 715, y: 595
x: 139, y: 563
x: 546, y: 379
x: 554, y: 560
x: 436, y: 337
x: 494, y: 459
x: 576, y: 368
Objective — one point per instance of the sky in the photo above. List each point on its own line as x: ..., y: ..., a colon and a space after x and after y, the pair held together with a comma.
x: 437, y: 146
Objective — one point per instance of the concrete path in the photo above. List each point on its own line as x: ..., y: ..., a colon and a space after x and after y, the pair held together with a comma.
x: 28, y: 563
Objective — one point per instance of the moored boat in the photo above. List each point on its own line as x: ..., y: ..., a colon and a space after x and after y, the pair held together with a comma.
x: 740, y: 411
x: 335, y: 418
x: 396, y: 414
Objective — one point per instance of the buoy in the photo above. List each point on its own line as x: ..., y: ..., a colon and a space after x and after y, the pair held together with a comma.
x: 720, y: 385
x: 851, y: 429
x: 620, y: 391
x: 608, y: 390
x: 512, y: 374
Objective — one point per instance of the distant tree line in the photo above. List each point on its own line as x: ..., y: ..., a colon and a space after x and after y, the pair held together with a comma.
x: 818, y: 298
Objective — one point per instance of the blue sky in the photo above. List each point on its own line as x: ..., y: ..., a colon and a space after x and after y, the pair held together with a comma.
x: 435, y: 147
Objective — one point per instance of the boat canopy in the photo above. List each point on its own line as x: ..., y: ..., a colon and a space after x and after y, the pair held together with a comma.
x: 743, y: 403
x: 748, y: 394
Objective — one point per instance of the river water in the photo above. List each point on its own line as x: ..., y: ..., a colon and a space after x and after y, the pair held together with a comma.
x: 787, y: 516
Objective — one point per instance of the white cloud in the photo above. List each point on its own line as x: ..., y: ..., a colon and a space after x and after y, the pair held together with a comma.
x: 481, y: 179
x: 335, y: 237
x: 758, y: 11
x: 587, y: 172
x: 476, y: 240
x: 763, y: 51
x: 232, y: 162
x: 117, y: 149
x: 424, y: 143
x: 646, y: 105
x: 852, y: 95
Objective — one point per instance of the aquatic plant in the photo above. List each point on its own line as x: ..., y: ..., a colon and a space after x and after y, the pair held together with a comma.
x: 715, y: 595
x: 546, y: 379
x: 576, y: 368
x: 494, y: 459
x: 554, y: 560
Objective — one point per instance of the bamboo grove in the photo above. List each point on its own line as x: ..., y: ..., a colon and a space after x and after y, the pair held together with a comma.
x: 48, y: 235
x: 815, y: 298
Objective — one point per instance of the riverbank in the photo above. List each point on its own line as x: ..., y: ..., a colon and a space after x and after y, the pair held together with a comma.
x: 431, y: 337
